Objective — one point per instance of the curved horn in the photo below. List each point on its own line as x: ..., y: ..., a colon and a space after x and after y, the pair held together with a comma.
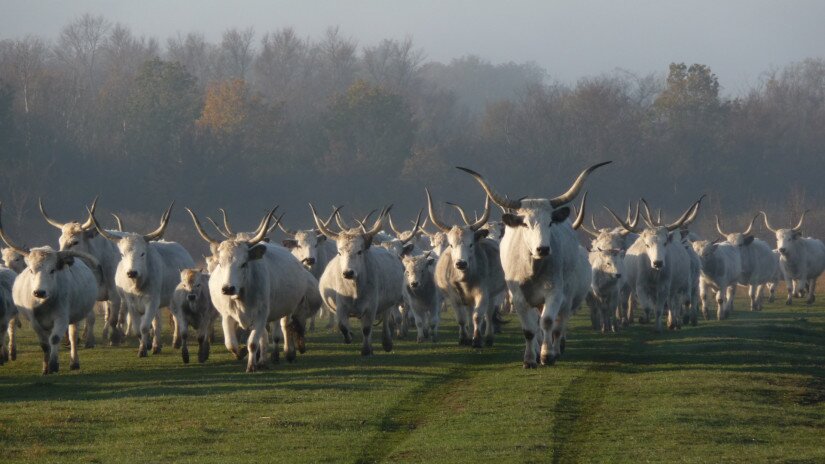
x: 484, y: 216
x: 200, y: 230
x: 580, y: 217
x: 767, y: 224
x: 286, y: 231
x: 118, y: 221
x: 684, y: 216
x: 629, y: 212
x: 635, y: 220
x: 659, y: 216
x: 647, y: 217
x: 624, y: 224
x: 226, y: 227
x: 574, y: 189
x: 441, y: 226
x: 497, y: 198
x: 322, y: 226
x: 90, y: 260
x: 379, y: 222
x: 46, y: 216
x: 414, y: 229
x: 461, y: 212
x: 340, y: 221
x: 17, y: 249
x: 101, y: 230
x: 750, y: 226
x: 692, y: 216
x: 164, y: 221
x: 88, y: 224
x: 367, y: 217
x: 263, y: 228
x: 719, y: 227
x: 392, y: 226
x: 218, y: 228
x: 799, y: 224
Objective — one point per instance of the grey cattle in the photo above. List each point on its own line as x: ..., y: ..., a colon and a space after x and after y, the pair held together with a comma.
x: 255, y: 283
x: 606, y: 283
x: 421, y: 295
x: 658, y: 268
x: 721, y: 269
x: 192, y: 307
x: 83, y: 237
x: 759, y: 263
x: 362, y: 281
x: 802, y: 259
x: 469, y: 276
x: 546, y: 271
x: 8, y: 316
x: 59, y: 291
x: 146, y: 276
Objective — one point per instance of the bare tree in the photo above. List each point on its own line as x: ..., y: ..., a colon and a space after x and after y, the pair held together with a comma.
x: 237, y: 52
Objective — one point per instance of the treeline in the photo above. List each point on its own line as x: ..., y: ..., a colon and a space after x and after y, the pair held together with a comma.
x: 276, y: 118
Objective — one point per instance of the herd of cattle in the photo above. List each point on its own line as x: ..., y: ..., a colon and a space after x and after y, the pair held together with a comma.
x: 530, y: 263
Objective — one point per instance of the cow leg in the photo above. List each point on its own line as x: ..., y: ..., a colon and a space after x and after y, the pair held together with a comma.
x: 203, y: 345
x: 4, y: 351
x: 289, y: 339
x: 342, y: 315
x: 730, y: 296
x: 59, y: 328
x: 263, y: 345
x: 183, y: 326
x: 89, y: 330
x: 253, y: 349
x: 73, y: 358
x: 45, y: 345
x: 489, y: 316
x: 13, y: 323
x: 157, y: 327
x: 386, y: 336
x: 479, y: 318
x: 703, y: 295
x: 462, y: 318
x: 106, y: 310
x: 230, y: 337
x: 791, y: 285
x: 434, y: 320
x: 420, y: 323
x: 811, y: 291
x: 551, y: 330
x: 366, y: 329
x: 176, y: 337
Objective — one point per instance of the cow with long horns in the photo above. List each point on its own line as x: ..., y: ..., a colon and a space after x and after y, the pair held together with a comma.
x: 146, y: 276
x: 802, y: 259
x: 721, y: 269
x: 544, y: 266
x: 57, y: 293
x: 759, y: 262
x: 469, y: 275
x: 255, y: 283
x: 362, y: 281
x: 658, y: 268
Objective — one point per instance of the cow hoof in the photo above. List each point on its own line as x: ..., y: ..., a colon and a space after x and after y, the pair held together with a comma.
x: 788, y: 302
x: 488, y: 342
x: 250, y: 369
x: 477, y: 342
x: 54, y: 368
x: 301, y: 345
x: 290, y: 356
x: 685, y: 319
x: 185, y: 356
x: 242, y: 353
x: 89, y: 345
x: 530, y: 365
x: 156, y: 349
x: 142, y: 353
x: 366, y: 351
x: 562, y: 345
x: 74, y: 366
x: 13, y: 353
x: 548, y: 360
x: 419, y: 339
x: 176, y: 344
x: 465, y: 341
x: 202, y: 358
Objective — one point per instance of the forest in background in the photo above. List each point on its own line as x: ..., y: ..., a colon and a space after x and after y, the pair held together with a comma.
x: 264, y: 118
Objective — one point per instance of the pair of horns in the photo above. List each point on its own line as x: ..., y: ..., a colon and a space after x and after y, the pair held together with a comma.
x: 796, y: 228
x: 329, y: 233
x: 85, y: 226
x: 685, y: 218
x: 260, y: 232
x: 632, y: 220
x: 156, y: 234
x: 505, y: 202
x: 474, y: 225
x: 746, y: 232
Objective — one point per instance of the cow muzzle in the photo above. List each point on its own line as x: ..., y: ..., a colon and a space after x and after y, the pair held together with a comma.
x: 542, y: 251
x: 349, y: 274
x: 783, y: 251
x: 413, y: 284
x: 461, y: 265
x: 309, y: 261
x: 191, y: 297
x: 132, y: 274
x: 658, y: 264
x: 229, y: 290
x: 39, y: 294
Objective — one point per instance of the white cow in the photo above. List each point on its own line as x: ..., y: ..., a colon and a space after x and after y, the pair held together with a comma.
x: 146, y: 277
x: 255, y: 283
x: 546, y: 271
x: 608, y: 265
x: 421, y: 295
x: 59, y: 291
x: 8, y: 315
x: 802, y: 259
x: 192, y: 307
x: 721, y: 270
x: 363, y: 281
x: 759, y: 263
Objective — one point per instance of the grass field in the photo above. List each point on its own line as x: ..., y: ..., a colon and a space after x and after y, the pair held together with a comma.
x: 748, y: 389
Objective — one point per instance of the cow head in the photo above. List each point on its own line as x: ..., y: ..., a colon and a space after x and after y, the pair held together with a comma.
x: 73, y: 235
x: 786, y: 239
x: 462, y: 239
x: 191, y: 282
x: 704, y: 248
x: 416, y: 269
x: 608, y: 264
x: 737, y: 238
x: 535, y: 217
x: 233, y: 256
x: 304, y: 245
x: 14, y: 260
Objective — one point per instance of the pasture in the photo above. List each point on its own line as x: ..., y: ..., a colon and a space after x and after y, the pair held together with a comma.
x: 748, y: 389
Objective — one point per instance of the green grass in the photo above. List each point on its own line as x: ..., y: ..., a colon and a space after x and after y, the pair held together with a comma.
x: 748, y: 389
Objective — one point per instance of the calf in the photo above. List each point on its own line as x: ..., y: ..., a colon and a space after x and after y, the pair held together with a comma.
x: 192, y: 307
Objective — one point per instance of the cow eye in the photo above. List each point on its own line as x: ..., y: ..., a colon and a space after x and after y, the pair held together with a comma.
x: 198, y: 285
x: 243, y: 265
x: 51, y: 272
x: 142, y: 253
x: 360, y: 252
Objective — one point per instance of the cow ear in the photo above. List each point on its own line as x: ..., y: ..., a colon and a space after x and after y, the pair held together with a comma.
x: 91, y: 233
x: 65, y: 261
x: 670, y: 238
x: 748, y: 239
x: 561, y: 214
x: 266, y: 239
x: 512, y: 220
x: 256, y: 252
x: 367, y: 241
x: 289, y: 243
x: 430, y: 261
x: 481, y: 233
x: 796, y: 234
x: 684, y: 233
x: 407, y: 250
x: 320, y: 238
x: 714, y: 247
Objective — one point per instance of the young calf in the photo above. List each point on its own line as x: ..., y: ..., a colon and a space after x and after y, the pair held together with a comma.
x: 421, y: 295
x: 8, y: 315
x: 192, y: 306
x: 721, y: 268
x: 603, y: 298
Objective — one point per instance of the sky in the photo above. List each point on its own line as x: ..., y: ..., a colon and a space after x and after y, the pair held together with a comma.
x: 739, y: 40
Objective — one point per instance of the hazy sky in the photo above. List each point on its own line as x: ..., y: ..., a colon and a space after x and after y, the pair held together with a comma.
x: 571, y: 39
